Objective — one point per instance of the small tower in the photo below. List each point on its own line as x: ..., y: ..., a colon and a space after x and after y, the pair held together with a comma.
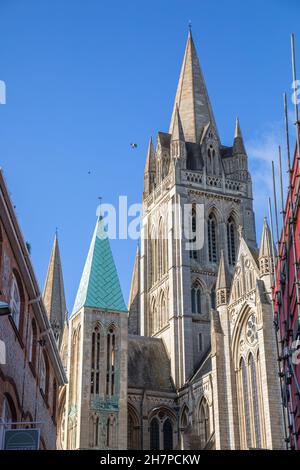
x: 96, y: 402
x: 54, y: 294
x: 222, y: 373
x: 238, y: 144
x: 134, y: 297
x: 178, y: 149
x: 265, y: 255
x: 149, y: 173
x: 223, y: 282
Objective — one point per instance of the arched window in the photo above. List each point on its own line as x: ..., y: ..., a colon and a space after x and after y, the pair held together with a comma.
x: 44, y: 376
x: 15, y: 302
x: 153, y: 318
x: 95, y: 361
x: 96, y: 432
x: 193, y: 253
x: 245, y: 405
x: 161, y: 431
x: 168, y: 435
x: 161, y: 246
x: 184, y: 418
x: 75, y: 365
x: 110, y: 362
x: 32, y: 342
x: 231, y: 241
x: 111, y: 432
x: 212, y: 239
x: 154, y: 434
x: 203, y: 422
x: 196, y: 298
x: 163, y: 312
x: 209, y: 166
x: 8, y: 415
x: 255, y: 402
x: 132, y: 430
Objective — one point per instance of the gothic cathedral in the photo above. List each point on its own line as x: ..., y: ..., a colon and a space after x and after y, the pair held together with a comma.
x: 191, y: 363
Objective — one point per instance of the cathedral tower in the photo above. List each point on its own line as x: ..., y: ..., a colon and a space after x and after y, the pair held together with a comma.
x: 54, y: 293
x: 187, y: 169
x: 96, y: 395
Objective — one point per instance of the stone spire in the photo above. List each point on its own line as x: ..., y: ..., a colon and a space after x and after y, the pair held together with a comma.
x: 238, y: 145
x: 54, y: 294
x: 100, y: 286
x: 134, y: 297
x: 223, y: 282
x: 149, y: 173
x: 265, y: 250
x: 177, y: 131
x: 178, y: 149
x: 192, y: 97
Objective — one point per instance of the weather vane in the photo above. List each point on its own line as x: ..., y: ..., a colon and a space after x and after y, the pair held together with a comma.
x: 99, y: 207
x: 190, y: 26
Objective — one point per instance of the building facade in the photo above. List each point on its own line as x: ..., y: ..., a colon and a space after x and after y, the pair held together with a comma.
x: 286, y: 295
x: 31, y: 370
x: 198, y: 367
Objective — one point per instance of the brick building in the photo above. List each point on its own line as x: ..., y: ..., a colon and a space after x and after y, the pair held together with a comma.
x: 31, y: 370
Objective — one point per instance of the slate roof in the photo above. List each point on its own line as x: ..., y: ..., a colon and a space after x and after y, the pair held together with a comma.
x: 148, y: 364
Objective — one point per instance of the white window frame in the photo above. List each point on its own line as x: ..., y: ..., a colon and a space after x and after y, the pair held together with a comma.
x: 15, y: 302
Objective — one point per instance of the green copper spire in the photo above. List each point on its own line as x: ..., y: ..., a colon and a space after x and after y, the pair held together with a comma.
x: 100, y: 286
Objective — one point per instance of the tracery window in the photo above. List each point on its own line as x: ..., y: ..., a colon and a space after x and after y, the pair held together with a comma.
x: 212, y: 238
x: 196, y: 298
x: 203, y: 422
x: 95, y: 361
x: 110, y: 362
x: 231, y: 241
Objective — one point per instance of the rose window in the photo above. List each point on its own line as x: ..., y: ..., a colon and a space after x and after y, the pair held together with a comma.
x: 251, y: 329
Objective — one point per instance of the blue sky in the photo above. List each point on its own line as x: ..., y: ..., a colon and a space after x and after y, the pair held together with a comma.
x: 85, y: 78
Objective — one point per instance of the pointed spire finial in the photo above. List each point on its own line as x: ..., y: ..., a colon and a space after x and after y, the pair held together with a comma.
x: 265, y: 249
x: 177, y: 131
x: 223, y: 281
x: 98, y: 210
x: 192, y: 97
x: 150, y: 162
x: 238, y: 145
x: 190, y: 26
x: 54, y: 294
x: 237, y: 132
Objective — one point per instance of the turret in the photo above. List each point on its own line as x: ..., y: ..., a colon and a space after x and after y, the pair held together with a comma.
x: 150, y: 171
x: 223, y: 282
x: 178, y: 149
x: 265, y: 254
x: 54, y: 294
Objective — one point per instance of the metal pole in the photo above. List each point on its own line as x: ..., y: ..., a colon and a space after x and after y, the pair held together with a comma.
x: 281, y: 188
x: 281, y: 376
x: 295, y: 93
x: 286, y: 121
x: 275, y: 205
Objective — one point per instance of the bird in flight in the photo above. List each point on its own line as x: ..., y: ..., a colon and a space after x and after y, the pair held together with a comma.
x: 133, y: 146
